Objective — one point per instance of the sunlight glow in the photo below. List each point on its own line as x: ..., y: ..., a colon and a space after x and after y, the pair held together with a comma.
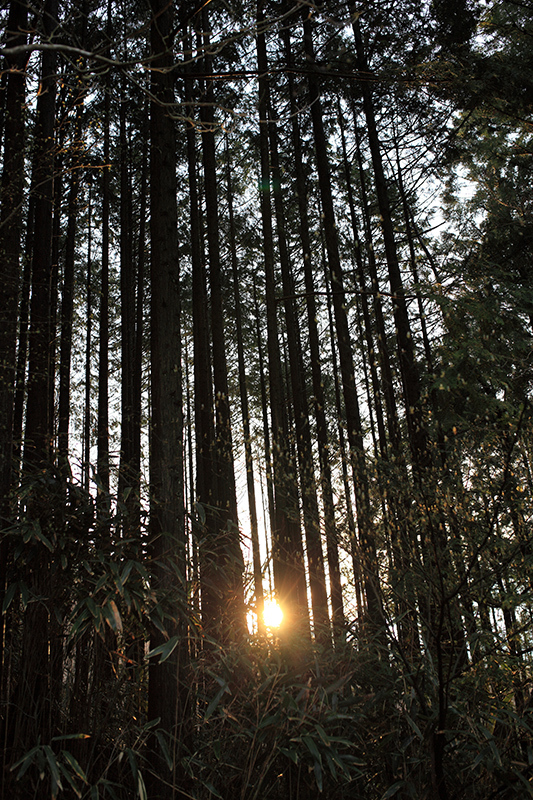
x: 272, y: 615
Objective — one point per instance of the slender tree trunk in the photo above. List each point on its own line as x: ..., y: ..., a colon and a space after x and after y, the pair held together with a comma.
x: 167, y: 691
x: 353, y: 418
x: 211, y: 600
x: 38, y: 422
x: 344, y: 459
x: 311, y: 517
x: 287, y: 549
x: 129, y: 471
x: 34, y: 712
x: 406, y: 355
x: 67, y: 302
x: 315, y: 357
x: 264, y: 414
x: 412, y: 255
x: 22, y: 349
x: 102, y: 462
x: 139, y: 332
x: 11, y: 197
x: 443, y: 622
x: 392, y: 473
x: 226, y: 534
x: 86, y: 457
x: 54, y: 293
x: 245, y: 411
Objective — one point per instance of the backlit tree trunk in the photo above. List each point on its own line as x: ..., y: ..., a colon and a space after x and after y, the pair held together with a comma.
x: 167, y: 693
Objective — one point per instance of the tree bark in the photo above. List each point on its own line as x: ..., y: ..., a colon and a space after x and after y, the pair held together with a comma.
x: 167, y: 692
x: 225, y: 536
x: 311, y: 517
x: 353, y: 417
x: 102, y: 462
x: 10, y: 244
x: 245, y: 410
x: 287, y: 548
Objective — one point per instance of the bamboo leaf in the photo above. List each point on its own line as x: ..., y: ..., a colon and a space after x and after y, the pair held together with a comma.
x: 311, y: 746
x: 42, y: 538
x: 74, y: 765
x: 69, y: 779
x: 54, y: 770
x: 128, y: 566
x: 164, y: 650
x: 414, y: 726
x: 9, y: 595
x: 151, y: 723
x: 113, y: 617
x: 214, y: 702
x: 24, y: 595
x: 25, y: 762
x: 91, y: 605
x: 323, y: 735
x: 133, y: 764
x: 392, y: 790
x: 141, y: 788
x: 292, y: 754
x: 209, y: 786
x: 161, y: 738
x: 317, y: 768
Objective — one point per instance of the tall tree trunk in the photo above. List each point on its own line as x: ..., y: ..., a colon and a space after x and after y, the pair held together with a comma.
x: 67, y: 300
x: 23, y: 331
x: 129, y: 476
x: 245, y: 411
x: 34, y: 711
x: 203, y: 393
x: 344, y: 459
x: 443, y: 622
x: 38, y: 422
x: 287, y: 548
x: 10, y: 246
x: 102, y: 458
x: 264, y: 414
x: 311, y: 517
x: 86, y: 441
x: 167, y: 691
x: 314, y: 346
x: 406, y: 355
x: 227, y: 548
x: 353, y: 417
x: 392, y: 473
x: 139, y: 331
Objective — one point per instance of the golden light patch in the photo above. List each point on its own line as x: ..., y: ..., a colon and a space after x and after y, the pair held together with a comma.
x: 272, y: 615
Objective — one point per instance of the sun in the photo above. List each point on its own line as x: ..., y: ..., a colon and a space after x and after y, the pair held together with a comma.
x: 272, y: 614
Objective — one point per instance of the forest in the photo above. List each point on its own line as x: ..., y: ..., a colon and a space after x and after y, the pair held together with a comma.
x: 266, y: 345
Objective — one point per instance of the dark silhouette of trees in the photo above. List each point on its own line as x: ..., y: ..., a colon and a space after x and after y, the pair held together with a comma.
x: 265, y: 333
